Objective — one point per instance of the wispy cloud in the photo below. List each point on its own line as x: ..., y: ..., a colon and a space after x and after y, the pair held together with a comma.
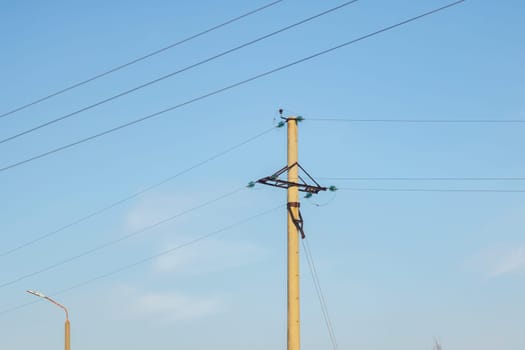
x: 155, y: 208
x: 510, y: 261
x: 175, y: 306
x: 132, y: 303
x: 499, y: 261
x: 212, y: 255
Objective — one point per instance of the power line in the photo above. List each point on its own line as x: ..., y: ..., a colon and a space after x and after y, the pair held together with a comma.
x: 319, y: 292
x: 151, y: 82
x: 118, y: 240
x: 357, y: 189
x: 136, y: 60
x: 134, y: 195
x: 229, y: 87
x: 149, y: 258
x: 419, y: 121
x: 424, y: 178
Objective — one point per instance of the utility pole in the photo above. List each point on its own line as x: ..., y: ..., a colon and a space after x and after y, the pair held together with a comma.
x: 294, y: 184
x: 294, y: 320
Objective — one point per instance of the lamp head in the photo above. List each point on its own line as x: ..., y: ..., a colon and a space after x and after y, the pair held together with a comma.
x: 38, y: 294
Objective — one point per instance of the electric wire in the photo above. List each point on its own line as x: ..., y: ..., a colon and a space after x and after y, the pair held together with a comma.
x: 418, y: 121
x: 319, y: 292
x: 134, y: 195
x: 151, y: 82
x: 136, y: 60
x: 362, y: 189
x: 149, y: 258
x: 320, y: 295
x: 120, y: 239
x: 229, y: 87
x: 424, y: 178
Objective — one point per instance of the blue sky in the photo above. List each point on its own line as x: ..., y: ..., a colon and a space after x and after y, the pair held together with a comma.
x: 397, y: 268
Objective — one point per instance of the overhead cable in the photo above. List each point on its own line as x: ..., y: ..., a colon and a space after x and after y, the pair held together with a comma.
x: 459, y: 190
x: 136, y: 60
x: 144, y: 260
x: 151, y: 82
x: 319, y: 292
x: 433, y: 178
x: 118, y: 240
x: 419, y: 121
x: 228, y: 87
x: 133, y: 195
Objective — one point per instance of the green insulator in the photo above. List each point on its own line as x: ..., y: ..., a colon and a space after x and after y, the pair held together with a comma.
x: 308, y: 195
x: 274, y: 177
x: 250, y: 184
x: 299, y: 119
x: 332, y: 188
x: 280, y: 124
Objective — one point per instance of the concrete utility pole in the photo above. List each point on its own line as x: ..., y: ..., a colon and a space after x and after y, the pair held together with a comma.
x: 294, y: 320
x: 294, y: 183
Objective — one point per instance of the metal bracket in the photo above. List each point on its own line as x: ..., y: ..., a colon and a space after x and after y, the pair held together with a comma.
x: 298, y: 222
x: 273, y: 180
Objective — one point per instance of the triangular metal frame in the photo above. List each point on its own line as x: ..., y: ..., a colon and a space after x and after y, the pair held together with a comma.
x: 273, y: 180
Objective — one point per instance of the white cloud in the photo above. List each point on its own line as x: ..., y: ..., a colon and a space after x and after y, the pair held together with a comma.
x: 156, y: 208
x: 175, y: 306
x: 511, y: 261
x: 131, y: 303
x: 211, y: 255
x: 499, y: 261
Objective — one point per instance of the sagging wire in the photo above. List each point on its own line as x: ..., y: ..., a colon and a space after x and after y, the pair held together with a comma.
x: 319, y: 292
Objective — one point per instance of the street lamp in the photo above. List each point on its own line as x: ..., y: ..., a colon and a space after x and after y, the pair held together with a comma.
x: 43, y: 296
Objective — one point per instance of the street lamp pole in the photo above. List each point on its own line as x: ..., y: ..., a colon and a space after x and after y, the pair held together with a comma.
x: 67, y: 339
